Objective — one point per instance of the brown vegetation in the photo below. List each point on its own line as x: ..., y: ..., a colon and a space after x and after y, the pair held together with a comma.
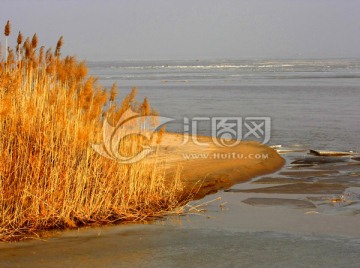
x: 51, y: 113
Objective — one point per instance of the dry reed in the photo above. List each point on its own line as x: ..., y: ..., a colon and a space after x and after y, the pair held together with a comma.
x: 50, y: 177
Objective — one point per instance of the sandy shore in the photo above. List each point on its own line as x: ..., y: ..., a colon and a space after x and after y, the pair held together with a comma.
x: 207, y: 168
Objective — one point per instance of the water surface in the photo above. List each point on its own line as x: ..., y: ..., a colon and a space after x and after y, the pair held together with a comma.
x: 314, y: 103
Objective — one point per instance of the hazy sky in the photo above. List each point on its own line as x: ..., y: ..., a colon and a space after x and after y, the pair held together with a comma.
x: 190, y: 29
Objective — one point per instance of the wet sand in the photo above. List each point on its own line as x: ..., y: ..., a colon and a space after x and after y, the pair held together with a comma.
x: 306, y: 174
x: 330, y: 184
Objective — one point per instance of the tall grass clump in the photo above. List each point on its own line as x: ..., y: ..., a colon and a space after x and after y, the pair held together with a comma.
x: 51, y: 113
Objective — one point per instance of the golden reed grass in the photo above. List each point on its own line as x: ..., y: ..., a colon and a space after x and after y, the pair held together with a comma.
x: 51, y: 113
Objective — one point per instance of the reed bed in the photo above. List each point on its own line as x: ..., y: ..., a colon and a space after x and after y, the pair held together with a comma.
x: 51, y: 112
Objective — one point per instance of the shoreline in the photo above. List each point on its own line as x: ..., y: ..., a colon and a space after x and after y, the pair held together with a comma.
x: 238, y: 221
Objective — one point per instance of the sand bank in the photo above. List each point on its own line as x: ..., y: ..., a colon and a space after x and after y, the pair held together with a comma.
x: 207, y: 168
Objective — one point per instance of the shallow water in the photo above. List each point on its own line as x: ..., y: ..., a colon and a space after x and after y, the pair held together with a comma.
x: 235, y: 235
x: 164, y: 247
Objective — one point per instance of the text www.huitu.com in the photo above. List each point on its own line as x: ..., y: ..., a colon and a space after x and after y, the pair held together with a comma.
x: 225, y: 156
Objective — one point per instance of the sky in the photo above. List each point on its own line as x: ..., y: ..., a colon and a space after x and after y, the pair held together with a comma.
x: 190, y: 29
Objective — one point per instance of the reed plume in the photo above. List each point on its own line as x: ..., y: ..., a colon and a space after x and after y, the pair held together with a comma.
x: 145, y: 107
x: 7, y: 32
x: 41, y: 55
x: 7, y: 29
x: 27, y: 47
x: 113, y: 92
x: 58, y: 47
x: 34, y: 41
x: 19, y: 41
